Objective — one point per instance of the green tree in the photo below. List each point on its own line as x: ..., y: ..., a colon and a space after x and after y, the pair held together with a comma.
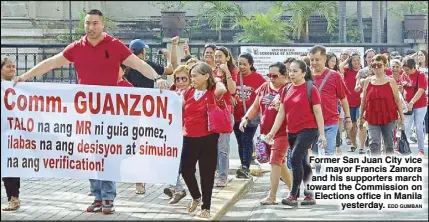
x: 216, y: 12
x: 79, y: 30
x: 302, y: 12
x: 399, y: 9
x: 264, y: 28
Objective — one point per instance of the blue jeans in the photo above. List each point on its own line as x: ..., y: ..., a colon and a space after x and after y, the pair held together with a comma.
x: 331, y: 137
x: 179, y: 186
x: 417, y: 118
x: 223, y: 149
x: 354, y: 113
x: 245, y: 143
x: 103, y: 190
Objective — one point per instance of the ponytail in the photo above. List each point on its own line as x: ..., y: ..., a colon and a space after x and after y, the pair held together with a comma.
x: 305, y: 68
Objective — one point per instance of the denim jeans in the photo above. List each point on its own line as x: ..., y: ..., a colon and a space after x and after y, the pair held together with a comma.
x: 245, y: 143
x: 417, y: 118
x: 223, y: 148
x: 103, y: 190
x: 331, y: 139
x: 301, y: 169
x: 375, y: 132
x: 179, y: 186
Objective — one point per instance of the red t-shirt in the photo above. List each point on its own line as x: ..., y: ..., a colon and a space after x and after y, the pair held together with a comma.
x: 267, y: 110
x: 409, y: 91
x: 333, y: 90
x: 195, y: 122
x: 97, y: 65
x: 227, y: 96
x: 350, y: 80
x: 125, y: 83
x: 297, y: 108
x: 251, y: 83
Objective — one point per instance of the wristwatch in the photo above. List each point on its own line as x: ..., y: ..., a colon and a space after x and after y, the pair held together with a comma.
x: 157, y: 78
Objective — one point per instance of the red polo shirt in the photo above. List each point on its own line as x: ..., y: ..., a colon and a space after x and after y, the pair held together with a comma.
x: 99, y: 64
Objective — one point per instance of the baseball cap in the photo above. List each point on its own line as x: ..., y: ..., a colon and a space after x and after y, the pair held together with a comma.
x: 137, y: 45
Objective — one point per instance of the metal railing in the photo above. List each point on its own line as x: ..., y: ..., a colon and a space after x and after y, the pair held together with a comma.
x: 28, y: 55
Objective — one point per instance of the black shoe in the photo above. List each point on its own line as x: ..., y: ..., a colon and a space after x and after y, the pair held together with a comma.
x: 243, y: 173
x: 169, y: 192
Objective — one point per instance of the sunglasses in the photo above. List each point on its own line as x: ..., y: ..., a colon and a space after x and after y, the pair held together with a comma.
x: 182, y: 79
x: 272, y: 76
x: 377, y: 65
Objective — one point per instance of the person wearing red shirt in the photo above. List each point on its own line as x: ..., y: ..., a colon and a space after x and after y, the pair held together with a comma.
x: 332, y: 90
x: 267, y: 103
x: 97, y: 58
x: 182, y: 81
x: 381, y: 107
x: 227, y: 72
x: 349, y: 72
x: 199, y: 144
x: 247, y: 89
x: 417, y: 101
x: 303, y: 124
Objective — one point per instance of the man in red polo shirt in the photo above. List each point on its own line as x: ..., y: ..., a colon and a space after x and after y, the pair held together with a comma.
x: 331, y: 87
x: 97, y: 57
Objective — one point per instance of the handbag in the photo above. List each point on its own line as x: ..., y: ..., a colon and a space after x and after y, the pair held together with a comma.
x: 403, y: 145
x: 219, y: 117
x: 257, y: 119
x: 261, y: 151
x: 408, y: 113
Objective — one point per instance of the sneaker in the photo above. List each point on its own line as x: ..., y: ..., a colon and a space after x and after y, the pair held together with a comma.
x: 413, y: 138
x: 108, y: 207
x: 221, y: 183
x: 243, y: 173
x: 169, y: 192
x: 421, y: 153
x: 94, y: 207
x: 14, y: 204
x: 290, y: 201
x: 308, y: 200
x: 362, y: 151
x: 177, y: 197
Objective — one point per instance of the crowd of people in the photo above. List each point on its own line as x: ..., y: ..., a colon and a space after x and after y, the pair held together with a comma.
x: 304, y: 107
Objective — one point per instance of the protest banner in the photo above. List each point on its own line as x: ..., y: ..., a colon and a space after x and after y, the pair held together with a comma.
x: 265, y: 56
x: 382, y: 183
x: 90, y: 132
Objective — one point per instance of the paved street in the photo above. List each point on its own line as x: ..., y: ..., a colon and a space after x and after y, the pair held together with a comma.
x: 249, y: 208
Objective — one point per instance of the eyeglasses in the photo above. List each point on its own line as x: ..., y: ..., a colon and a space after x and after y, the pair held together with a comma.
x: 272, y: 76
x: 182, y: 79
x: 376, y: 65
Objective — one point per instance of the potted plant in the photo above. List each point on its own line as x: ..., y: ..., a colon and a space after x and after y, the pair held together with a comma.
x: 172, y: 17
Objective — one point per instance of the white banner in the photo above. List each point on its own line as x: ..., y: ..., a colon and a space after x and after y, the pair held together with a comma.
x: 265, y: 56
x: 90, y: 132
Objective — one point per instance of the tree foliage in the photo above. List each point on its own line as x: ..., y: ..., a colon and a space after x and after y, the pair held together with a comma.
x: 264, y: 28
x: 216, y: 12
x: 399, y: 9
x: 79, y: 30
x: 168, y: 6
x: 303, y: 10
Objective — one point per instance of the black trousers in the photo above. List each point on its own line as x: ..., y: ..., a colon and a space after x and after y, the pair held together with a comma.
x: 301, y: 169
x: 203, y: 150
x: 12, y: 185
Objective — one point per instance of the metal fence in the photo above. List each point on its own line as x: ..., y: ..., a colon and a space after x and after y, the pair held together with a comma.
x: 27, y: 56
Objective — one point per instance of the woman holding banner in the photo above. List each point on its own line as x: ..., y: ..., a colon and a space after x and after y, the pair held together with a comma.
x: 182, y: 81
x: 199, y: 144
x: 11, y: 184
